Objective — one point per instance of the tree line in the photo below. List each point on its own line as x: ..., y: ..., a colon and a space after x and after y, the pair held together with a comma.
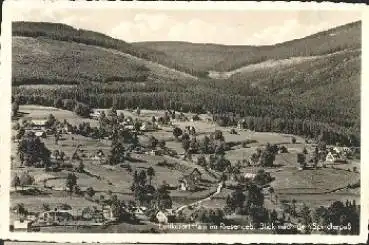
x: 253, y: 114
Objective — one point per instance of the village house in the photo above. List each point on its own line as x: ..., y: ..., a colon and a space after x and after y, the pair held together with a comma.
x: 242, y: 177
x: 98, y: 156
x: 190, y: 181
x: 165, y: 216
x: 108, y: 214
x: 195, y: 118
x: 334, y: 158
x: 22, y: 225
x: 38, y: 124
x: 68, y: 129
x: 40, y: 134
x: 148, y: 126
x: 140, y: 213
x: 241, y: 124
x: 95, y: 115
x: 56, y: 216
x: 156, y: 152
x: 161, y: 217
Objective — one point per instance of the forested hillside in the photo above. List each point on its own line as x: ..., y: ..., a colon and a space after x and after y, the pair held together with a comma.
x: 314, y: 97
x: 205, y: 57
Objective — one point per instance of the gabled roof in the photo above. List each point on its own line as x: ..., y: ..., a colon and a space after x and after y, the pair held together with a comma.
x: 192, y: 171
x: 38, y: 122
x: 195, y: 170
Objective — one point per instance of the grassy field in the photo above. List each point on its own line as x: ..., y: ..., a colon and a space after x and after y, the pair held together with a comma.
x: 42, y: 112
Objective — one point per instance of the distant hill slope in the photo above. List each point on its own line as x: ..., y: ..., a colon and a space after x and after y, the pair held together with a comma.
x: 323, y: 83
x: 62, y: 32
x: 47, y: 61
x: 207, y: 57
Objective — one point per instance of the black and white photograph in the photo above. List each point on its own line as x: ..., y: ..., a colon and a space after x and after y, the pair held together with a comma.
x: 129, y: 120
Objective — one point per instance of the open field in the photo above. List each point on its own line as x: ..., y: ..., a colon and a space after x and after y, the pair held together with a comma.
x: 41, y: 112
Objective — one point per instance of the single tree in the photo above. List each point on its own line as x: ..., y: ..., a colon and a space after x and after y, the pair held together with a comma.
x: 15, y: 108
x: 177, y: 132
x: 71, y: 182
x: 51, y: 120
x: 271, y: 192
x: 46, y: 207
x: 121, y: 117
x: 161, y: 144
x: 81, y: 166
x: 20, y: 209
x: 186, y: 145
x: 294, y: 213
x: 58, y: 103
x: 26, y: 179
x: 90, y: 191
x: 316, y: 157
x: 150, y: 173
x: 305, y: 151
x: 293, y: 140
x: 15, y: 182
x: 301, y: 159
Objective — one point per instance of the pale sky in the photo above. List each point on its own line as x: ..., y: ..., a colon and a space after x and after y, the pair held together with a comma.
x: 252, y: 27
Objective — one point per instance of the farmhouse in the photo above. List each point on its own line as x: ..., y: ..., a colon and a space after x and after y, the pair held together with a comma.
x: 148, y: 126
x: 249, y: 176
x: 140, y: 213
x: 156, y: 152
x: 241, y: 124
x: 334, y: 158
x: 68, y: 129
x: 129, y: 126
x: 189, y: 181
x: 95, y: 115
x: 22, y: 225
x: 162, y: 217
x: 108, y: 214
x: 337, y: 150
x: 40, y: 134
x: 55, y: 216
x: 38, y: 124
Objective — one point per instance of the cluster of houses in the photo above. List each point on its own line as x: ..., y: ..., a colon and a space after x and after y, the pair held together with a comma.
x: 128, y: 123
x: 60, y: 216
x: 338, y: 155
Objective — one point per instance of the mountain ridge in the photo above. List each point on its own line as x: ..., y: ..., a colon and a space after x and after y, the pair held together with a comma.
x: 192, y: 58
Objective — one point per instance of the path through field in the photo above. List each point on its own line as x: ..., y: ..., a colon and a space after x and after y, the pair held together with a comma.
x: 219, y: 188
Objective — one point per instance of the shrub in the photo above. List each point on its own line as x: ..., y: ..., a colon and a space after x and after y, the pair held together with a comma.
x: 196, y: 118
x: 77, y: 190
x: 58, y: 103
x: 16, y: 126
x: 82, y: 110
x: 69, y: 104
x: 90, y: 192
x: 177, y: 132
x: 283, y: 149
x: 293, y: 140
x: 26, y: 179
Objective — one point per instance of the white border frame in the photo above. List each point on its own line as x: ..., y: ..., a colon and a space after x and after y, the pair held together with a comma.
x: 5, y: 95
